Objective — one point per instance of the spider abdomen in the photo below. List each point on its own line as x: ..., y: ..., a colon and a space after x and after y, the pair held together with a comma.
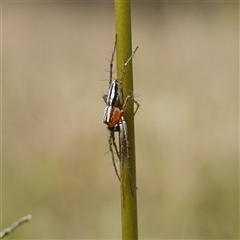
x: 114, y: 97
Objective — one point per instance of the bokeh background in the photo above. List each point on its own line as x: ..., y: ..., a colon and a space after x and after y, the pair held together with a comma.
x: 55, y: 161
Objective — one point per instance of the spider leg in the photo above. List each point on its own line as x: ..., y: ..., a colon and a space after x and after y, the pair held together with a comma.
x: 111, y: 61
x: 111, y: 141
x: 104, y: 96
x: 121, y: 146
x: 124, y: 139
x: 115, y: 145
x: 126, y: 101
x: 125, y: 136
x: 125, y: 65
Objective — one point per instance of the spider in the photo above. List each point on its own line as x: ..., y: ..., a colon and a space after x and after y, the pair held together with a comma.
x: 113, y: 115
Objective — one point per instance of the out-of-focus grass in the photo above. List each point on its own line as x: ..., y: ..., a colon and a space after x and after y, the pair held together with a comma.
x: 55, y: 163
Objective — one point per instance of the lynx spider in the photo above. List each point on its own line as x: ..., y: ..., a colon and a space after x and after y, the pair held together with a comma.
x: 113, y: 115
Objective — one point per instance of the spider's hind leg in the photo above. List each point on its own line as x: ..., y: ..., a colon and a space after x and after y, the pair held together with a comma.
x: 126, y: 64
x: 111, y: 61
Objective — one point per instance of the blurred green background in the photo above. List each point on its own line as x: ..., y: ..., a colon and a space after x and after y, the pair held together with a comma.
x: 55, y: 160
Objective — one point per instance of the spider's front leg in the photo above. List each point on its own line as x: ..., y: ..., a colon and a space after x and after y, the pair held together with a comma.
x: 111, y: 141
x: 124, y: 137
x: 124, y: 141
x: 111, y: 117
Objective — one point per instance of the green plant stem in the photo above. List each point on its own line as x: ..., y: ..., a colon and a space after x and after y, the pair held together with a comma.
x: 124, y: 51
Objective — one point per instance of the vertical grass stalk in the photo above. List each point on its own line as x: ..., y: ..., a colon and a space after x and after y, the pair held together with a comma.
x: 124, y: 51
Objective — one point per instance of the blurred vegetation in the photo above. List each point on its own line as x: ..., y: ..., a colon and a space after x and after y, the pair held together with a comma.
x: 55, y: 164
